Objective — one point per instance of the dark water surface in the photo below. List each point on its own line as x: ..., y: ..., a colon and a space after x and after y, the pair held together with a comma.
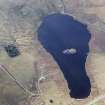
x: 59, y: 32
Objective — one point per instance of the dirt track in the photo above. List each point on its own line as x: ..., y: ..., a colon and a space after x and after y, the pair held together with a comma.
x: 19, y: 21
